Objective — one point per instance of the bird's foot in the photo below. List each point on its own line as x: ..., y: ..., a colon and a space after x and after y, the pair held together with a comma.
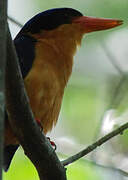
x: 52, y: 143
x: 39, y: 123
x: 41, y: 127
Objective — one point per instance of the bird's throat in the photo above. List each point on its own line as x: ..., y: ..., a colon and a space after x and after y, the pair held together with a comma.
x: 57, y: 48
x: 55, y: 58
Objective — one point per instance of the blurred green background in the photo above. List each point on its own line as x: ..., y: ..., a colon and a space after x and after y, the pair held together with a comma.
x: 95, y: 99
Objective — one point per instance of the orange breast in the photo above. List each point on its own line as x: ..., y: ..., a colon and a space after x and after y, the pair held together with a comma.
x: 50, y: 72
x: 44, y: 87
x: 44, y: 95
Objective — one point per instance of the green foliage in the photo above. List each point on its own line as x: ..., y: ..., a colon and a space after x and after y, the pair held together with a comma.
x: 22, y: 169
x: 82, y: 171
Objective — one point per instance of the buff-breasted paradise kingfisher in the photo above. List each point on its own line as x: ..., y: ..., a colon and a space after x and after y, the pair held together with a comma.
x: 45, y: 47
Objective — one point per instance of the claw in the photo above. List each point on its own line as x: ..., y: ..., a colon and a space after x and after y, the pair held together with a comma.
x: 41, y: 127
x: 52, y: 143
x: 39, y: 123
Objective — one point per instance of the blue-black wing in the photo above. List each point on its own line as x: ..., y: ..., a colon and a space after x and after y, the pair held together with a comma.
x: 25, y: 48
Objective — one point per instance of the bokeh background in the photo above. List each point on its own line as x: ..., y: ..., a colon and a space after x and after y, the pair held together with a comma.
x: 96, y: 98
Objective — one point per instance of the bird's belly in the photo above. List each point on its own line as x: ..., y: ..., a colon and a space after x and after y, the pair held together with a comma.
x: 45, y: 97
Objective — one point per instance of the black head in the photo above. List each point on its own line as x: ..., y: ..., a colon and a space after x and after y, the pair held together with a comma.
x: 49, y: 20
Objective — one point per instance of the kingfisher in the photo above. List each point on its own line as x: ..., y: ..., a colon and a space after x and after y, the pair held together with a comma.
x: 45, y: 48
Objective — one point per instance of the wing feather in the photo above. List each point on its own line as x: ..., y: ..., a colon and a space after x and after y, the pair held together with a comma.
x: 25, y: 48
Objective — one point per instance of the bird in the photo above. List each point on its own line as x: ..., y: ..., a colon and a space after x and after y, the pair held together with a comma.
x: 45, y: 48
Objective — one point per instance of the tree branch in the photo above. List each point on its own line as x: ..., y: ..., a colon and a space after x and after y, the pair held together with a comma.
x: 115, y: 98
x: 34, y: 143
x: 115, y: 101
x: 111, y: 58
x: 95, y: 145
x: 3, y: 26
x: 106, y: 167
x: 15, y: 21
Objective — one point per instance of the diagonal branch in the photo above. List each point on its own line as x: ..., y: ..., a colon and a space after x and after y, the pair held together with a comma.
x: 115, y: 101
x: 15, y: 21
x: 111, y: 57
x: 106, y: 167
x: 95, y: 145
x: 34, y: 143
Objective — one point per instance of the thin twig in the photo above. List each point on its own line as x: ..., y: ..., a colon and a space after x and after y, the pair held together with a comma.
x: 106, y: 167
x: 111, y: 58
x: 95, y: 145
x: 15, y: 21
x: 114, y: 101
x: 123, y: 75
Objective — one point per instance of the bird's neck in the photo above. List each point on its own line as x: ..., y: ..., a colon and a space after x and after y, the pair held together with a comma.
x: 58, y: 49
x: 54, y: 57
